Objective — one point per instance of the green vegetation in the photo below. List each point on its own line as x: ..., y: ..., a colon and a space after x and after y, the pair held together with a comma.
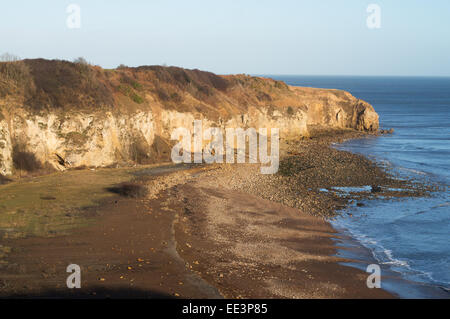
x: 137, y: 99
x: 136, y: 85
x: 128, y: 91
x: 53, y: 204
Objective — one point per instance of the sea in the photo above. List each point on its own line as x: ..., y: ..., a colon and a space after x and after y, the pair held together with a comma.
x: 408, y: 237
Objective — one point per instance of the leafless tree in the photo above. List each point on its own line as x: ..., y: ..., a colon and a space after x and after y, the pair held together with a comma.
x: 81, y: 60
x: 13, y: 68
x: 8, y: 57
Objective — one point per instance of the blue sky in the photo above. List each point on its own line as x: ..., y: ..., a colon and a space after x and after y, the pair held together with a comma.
x: 321, y: 37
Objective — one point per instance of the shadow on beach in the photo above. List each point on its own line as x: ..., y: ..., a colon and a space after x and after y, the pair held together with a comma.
x: 92, y: 293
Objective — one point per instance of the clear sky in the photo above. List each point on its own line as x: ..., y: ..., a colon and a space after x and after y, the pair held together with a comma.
x: 323, y: 37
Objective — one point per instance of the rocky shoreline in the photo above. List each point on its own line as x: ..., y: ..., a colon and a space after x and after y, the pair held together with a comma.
x: 211, y: 231
x: 312, y: 172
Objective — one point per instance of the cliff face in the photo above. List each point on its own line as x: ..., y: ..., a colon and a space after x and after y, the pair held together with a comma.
x: 64, y: 115
x: 335, y: 108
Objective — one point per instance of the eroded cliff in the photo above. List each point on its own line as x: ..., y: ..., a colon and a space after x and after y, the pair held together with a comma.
x: 60, y: 114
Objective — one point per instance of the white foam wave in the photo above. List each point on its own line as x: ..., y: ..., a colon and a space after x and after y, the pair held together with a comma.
x: 385, y: 256
x: 411, y: 170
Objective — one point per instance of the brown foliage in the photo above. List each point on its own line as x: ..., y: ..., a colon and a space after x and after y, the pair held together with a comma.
x: 59, y: 84
x: 45, y: 84
x: 14, y: 77
x: 194, y: 81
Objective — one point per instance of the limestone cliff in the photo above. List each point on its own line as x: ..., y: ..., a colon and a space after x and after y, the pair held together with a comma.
x: 62, y: 114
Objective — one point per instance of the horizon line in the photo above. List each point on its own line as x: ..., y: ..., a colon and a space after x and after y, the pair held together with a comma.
x: 350, y: 75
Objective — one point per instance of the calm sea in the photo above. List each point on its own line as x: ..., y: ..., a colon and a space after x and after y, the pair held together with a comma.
x: 410, y: 236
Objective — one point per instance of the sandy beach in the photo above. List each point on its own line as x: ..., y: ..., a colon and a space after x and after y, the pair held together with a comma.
x: 209, y: 231
x: 225, y: 156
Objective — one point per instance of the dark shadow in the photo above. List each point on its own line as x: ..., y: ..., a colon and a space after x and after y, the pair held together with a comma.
x: 4, y: 180
x: 132, y: 190
x: 92, y: 293
x: 164, y: 169
x: 25, y: 160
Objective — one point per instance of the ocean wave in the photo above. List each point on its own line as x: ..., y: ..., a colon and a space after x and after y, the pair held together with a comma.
x: 386, y: 257
x: 446, y: 204
x: 412, y: 170
x: 393, y: 261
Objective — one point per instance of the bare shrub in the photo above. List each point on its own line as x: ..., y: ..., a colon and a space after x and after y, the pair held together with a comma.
x: 8, y: 57
x: 60, y: 84
x: 81, y: 60
x: 15, y: 79
x: 196, y: 80
x: 16, y: 71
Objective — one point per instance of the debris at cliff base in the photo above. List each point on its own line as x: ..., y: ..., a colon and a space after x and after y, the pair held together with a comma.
x: 319, y: 179
x: 387, y: 131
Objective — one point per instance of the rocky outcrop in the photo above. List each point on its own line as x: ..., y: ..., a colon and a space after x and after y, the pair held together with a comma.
x: 335, y: 108
x: 67, y: 115
x: 84, y: 139
x: 103, y: 139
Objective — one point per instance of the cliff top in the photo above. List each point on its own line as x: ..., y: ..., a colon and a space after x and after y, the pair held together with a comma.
x: 40, y: 85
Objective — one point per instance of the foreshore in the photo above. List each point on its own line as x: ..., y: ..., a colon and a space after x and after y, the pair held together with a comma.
x: 214, y: 231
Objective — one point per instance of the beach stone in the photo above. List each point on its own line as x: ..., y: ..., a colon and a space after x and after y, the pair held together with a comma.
x: 375, y: 189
